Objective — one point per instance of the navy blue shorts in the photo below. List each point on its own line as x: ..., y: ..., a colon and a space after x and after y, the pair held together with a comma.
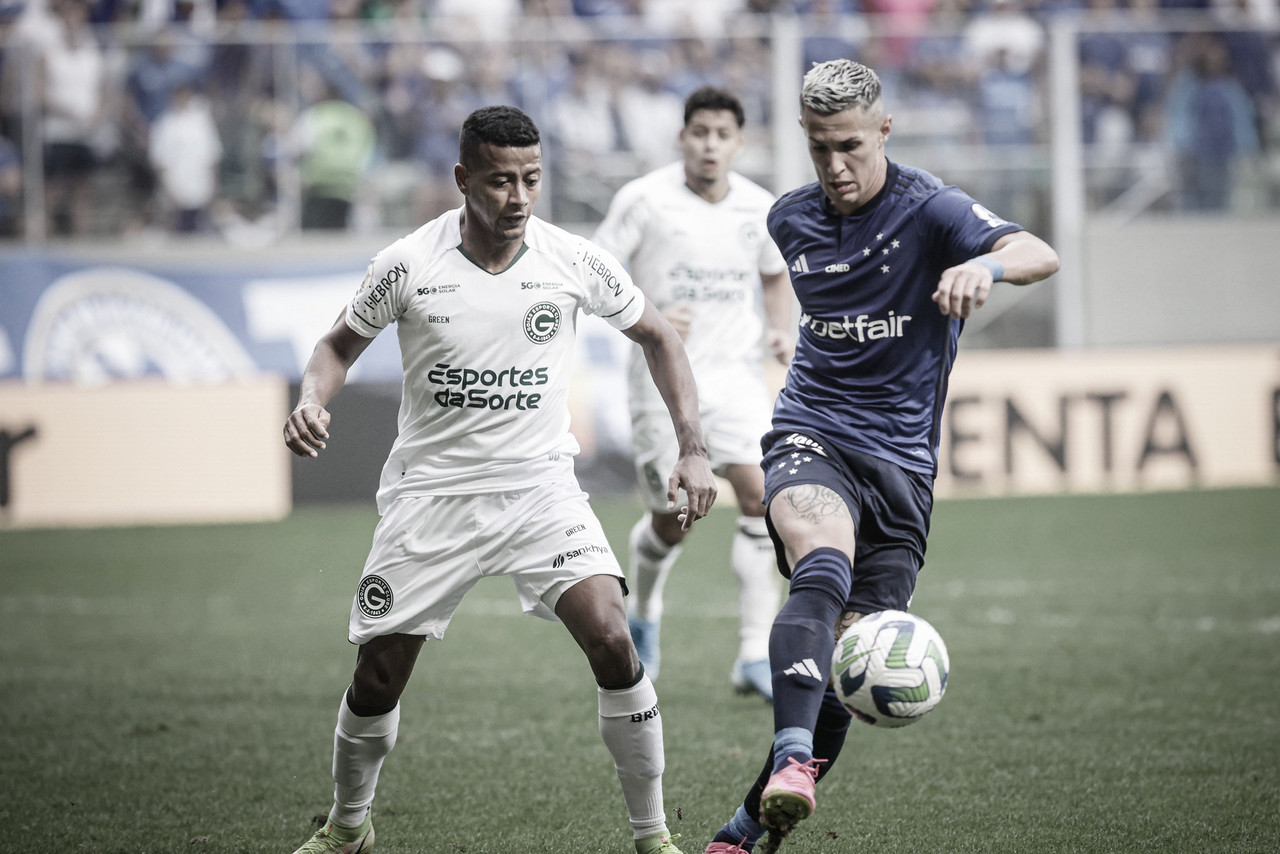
x: 890, y: 506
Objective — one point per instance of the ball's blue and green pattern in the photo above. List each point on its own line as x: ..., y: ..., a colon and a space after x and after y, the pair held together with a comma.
x: 890, y: 668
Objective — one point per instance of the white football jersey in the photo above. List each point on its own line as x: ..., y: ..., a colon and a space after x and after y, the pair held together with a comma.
x: 487, y: 357
x: 681, y: 248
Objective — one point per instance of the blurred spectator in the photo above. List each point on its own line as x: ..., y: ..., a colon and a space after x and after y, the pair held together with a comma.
x: 695, y: 62
x: 584, y: 132
x: 157, y: 71
x: 185, y: 151
x: 649, y: 115
x: 583, y: 121
x: 1106, y: 83
x: 442, y: 103
x: 832, y: 31
x: 1211, y: 123
x: 1253, y: 59
x: 706, y: 18
x: 75, y: 134
x: 334, y: 142
x: 1149, y: 57
x: 494, y: 19
x: 11, y: 70
x: 906, y: 20
x: 240, y: 83
x: 741, y: 73
x: 1007, y: 107
x: 10, y: 189
x: 154, y: 75
x: 1005, y: 25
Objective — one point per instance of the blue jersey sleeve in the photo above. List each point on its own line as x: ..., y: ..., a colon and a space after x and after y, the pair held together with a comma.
x: 965, y: 228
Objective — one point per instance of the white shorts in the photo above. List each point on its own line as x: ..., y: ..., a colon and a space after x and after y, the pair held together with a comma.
x: 731, y: 427
x: 428, y: 551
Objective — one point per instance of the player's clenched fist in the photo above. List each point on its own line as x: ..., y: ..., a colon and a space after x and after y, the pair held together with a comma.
x: 306, y: 430
x: 963, y: 289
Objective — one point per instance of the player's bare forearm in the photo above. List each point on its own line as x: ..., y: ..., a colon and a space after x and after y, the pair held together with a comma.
x: 669, y: 367
x: 1019, y: 258
x: 778, y: 300
x: 1026, y: 258
x: 307, y: 428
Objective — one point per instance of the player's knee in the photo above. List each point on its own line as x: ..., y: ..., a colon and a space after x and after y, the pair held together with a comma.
x: 375, y: 689
x: 612, y: 655
x: 825, y: 570
x: 367, y: 699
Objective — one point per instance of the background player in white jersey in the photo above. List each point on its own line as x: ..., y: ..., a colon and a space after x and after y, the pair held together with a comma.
x: 693, y: 234
x: 479, y: 481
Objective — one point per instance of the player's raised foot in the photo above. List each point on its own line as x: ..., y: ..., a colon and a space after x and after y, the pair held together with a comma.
x: 725, y: 848
x: 644, y: 634
x: 658, y: 843
x: 336, y: 839
x: 788, y: 797
x: 752, y: 677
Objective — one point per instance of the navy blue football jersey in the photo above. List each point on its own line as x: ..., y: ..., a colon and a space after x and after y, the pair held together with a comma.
x: 873, y: 351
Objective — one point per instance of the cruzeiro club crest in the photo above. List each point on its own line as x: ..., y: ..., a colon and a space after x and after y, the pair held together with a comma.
x: 374, y: 596
x: 541, y: 322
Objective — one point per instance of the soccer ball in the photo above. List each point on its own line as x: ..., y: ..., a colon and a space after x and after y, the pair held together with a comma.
x: 890, y: 668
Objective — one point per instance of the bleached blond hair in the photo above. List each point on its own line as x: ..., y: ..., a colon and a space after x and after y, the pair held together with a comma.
x: 840, y: 84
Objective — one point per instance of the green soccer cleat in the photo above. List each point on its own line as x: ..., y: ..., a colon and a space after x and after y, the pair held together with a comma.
x: 336, y: 839
x: 658, y: 843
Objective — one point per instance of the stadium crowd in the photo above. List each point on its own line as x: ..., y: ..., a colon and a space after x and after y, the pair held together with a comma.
x: 256, y: 117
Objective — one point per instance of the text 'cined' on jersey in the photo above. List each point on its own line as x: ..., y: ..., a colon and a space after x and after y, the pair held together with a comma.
x: 487, y: 357
x: 873, y: 351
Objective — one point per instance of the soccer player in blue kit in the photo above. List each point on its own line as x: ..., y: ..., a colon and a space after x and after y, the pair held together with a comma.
x: 886, y: 262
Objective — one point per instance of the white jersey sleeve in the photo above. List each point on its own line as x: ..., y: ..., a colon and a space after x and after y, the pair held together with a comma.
x: 624, y: 225
x: 380, y: 299
x: 610, y: 293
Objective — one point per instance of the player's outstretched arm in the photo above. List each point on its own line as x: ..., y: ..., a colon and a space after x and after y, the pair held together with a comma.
x: 671, y: 373
x: 307, y: 427
x: 1019, y: 258
x: 779, y: 316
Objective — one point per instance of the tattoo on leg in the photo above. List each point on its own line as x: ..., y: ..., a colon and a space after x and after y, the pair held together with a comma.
x: 813, y: 502
x: 847, y: 619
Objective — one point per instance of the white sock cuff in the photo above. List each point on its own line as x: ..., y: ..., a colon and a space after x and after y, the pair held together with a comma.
x: 646, y: 541
x: 639, y: 699
x: 753, y: 526
x: 376, y: 726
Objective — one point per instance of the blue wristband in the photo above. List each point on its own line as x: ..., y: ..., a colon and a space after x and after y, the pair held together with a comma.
x: 996, y: 268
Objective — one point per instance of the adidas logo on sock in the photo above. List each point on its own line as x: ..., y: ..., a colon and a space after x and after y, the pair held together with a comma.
x: 808, y: 667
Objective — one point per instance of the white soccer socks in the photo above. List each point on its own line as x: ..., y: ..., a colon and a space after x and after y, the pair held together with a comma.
x: 650, y: 560
x: 359, y: 747
x: 632, y: 731
x: 759, y: 586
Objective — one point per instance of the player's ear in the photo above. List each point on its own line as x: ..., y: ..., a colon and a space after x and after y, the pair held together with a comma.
x: 885, y: 127
x: 460, y: 177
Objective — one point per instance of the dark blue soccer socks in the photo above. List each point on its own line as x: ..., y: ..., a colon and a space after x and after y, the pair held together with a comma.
x: 800, y: 648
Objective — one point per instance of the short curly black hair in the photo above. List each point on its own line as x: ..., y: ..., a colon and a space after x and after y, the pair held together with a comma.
x: 503, y: 126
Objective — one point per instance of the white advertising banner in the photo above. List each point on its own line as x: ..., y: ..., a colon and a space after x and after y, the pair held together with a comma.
x: 1041, y: 421
x: 144, y: 452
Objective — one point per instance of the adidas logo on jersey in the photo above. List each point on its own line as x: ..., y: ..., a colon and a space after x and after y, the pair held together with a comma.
x: 800, y: 265
x: 807, y: 668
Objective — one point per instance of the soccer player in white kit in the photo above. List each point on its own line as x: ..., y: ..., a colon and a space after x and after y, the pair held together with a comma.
x: 693, y: 234
x: 479, y: 481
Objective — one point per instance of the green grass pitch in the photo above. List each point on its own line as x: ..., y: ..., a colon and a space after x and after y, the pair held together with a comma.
x: 1115, y: 687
